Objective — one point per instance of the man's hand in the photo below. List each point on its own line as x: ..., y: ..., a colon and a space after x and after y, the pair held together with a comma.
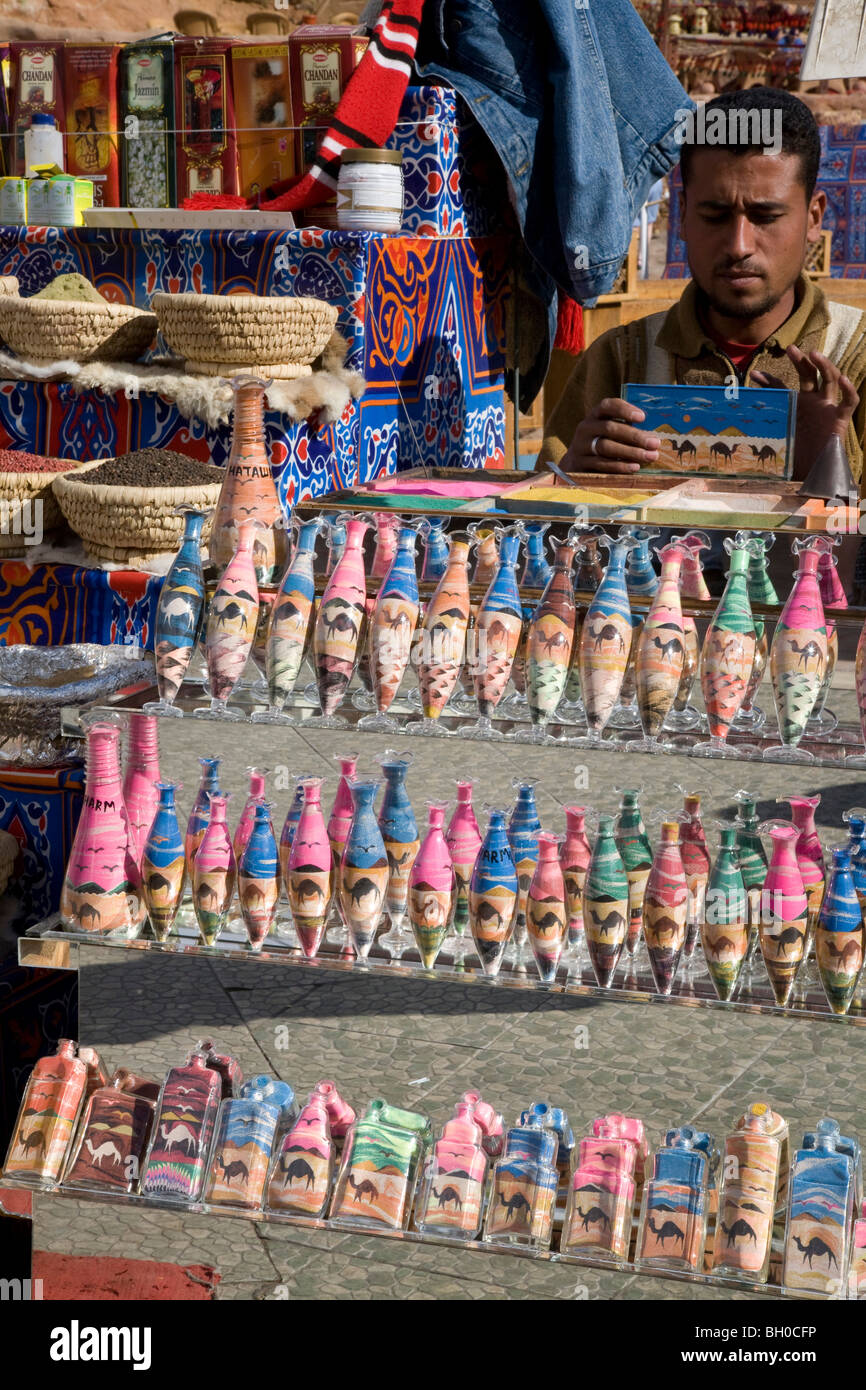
x: 826, y: 402
x: 618, y: 446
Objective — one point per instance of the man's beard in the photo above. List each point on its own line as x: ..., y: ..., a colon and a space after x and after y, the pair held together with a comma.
x: 736, y: 309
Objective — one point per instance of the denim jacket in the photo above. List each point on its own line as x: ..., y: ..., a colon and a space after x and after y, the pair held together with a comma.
x: 580, y: 107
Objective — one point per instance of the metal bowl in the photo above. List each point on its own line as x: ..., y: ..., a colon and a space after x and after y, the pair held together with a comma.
x: 30, y: 710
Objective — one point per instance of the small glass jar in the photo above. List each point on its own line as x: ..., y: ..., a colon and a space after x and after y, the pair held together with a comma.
x: 370, y: 191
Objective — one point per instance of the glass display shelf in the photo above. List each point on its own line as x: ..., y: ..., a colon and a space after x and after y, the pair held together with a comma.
x: 49, y: 945
x: 135, y: 1202
x: 842, y: 748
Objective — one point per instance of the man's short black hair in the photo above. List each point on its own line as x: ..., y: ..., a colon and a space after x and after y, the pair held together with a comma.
x: 799, y: 130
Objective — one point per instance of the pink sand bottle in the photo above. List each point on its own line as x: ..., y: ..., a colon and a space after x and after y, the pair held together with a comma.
x: 822, y: 721
x: 310, y: 871
x: 387, y: 531
x: 214, y: 874
x: 463, y: 838
x: 451, y: 1198
x: 810, y: 855
x: 102, y: 887
x: 140, y: 790
x: 303, y: 1164
x: 257, y: 793
x: 784, y: 911
x: 432, y: 888
x: 232, y: 617
x: 546, y: 914
x: 666, y: 907
x: 574, y: 856
x: 696, y: 862
x: 339, y: 619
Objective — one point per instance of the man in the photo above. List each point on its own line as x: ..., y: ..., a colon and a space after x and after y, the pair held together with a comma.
x: 749, y: 315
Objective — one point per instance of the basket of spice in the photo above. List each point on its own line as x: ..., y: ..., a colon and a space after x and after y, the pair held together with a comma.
x: 69, y: 319
x: 127, y: 509
x: 276, y: 336
x: 25, y: 480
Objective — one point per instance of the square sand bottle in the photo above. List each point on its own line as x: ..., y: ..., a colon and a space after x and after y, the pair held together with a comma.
x: 112, y: 1137
x: 380, y: 1167
x: 673, y: 1226
x: 47, y: 1118
x: 747, y: 1201
x: 601, y: 1200
x: 820, y: 1215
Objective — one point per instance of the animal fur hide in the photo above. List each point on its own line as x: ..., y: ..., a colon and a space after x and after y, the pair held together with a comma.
x: 327, y: 391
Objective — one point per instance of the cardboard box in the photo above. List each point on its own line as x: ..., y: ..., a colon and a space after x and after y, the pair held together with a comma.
x: 263, y: 111
x: 322, y: 58
x: 58, y: 200
x: 37, y: 85
x: 147, y: 143
x: 92, y: 118
x: 206, y: 151
x: 13, y: 202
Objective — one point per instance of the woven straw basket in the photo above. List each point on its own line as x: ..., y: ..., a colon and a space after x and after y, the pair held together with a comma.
x: 142, y: 518
x: 220, y: 335
x: 49, y: 330
x: 16, y: 488
x: 9, y: 284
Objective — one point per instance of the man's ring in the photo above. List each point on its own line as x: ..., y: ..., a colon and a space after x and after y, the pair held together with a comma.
x: 592, y: 447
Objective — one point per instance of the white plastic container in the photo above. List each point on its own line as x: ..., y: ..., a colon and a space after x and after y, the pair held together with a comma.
x: 370, y: 191
x: 43, y: 143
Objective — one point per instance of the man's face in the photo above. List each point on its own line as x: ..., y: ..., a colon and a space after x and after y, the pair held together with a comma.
x: 746, y: 222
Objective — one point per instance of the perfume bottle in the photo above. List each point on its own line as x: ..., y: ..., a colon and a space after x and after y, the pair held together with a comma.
x: 524, y: 1187
x: 113, y: 1135
x: 246, y: 1129
x: 186, y: 1114
x: 47, y: 1117
x: 451, y: 1195
x: 601, y: 1197
x: 379, y: 1172
x: 820, y: 1214
x: 303, y: 1164
x: 747, y: 1201
x: 673, y: 1226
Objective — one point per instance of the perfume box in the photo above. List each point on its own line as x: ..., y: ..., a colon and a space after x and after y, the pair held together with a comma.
x: 92, y: 118
x: 37, y: 85
x: 206, y: 150
x: 322, y: 58
x: 263, y: 111
x: 147, y: 174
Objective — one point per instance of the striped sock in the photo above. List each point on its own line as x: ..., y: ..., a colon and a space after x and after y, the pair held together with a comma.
x: 368, y: 109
